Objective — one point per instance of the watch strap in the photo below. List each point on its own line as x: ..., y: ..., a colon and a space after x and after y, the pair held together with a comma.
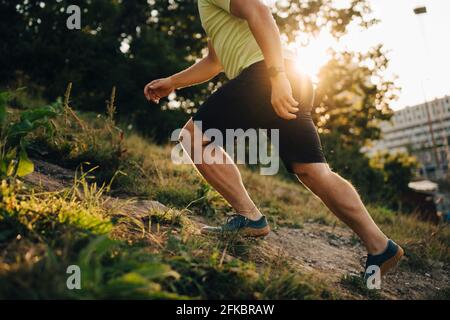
x: 274, y: 71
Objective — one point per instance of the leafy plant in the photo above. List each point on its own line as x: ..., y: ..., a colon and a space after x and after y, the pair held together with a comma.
x: 14, y: 160
x: 93, y: 139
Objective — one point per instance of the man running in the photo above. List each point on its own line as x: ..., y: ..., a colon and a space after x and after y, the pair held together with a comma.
x: 264, y: 91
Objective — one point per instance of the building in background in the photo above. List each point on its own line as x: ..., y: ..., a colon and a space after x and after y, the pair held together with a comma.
x: 422, y: 130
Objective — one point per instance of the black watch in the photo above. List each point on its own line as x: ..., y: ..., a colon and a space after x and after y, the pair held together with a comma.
x: 274, y: 71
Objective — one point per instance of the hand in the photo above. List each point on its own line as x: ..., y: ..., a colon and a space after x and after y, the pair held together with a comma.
x: 158, y: 89
x: 283, y: 102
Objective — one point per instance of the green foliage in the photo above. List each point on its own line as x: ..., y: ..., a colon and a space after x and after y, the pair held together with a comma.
x: 398, y: 170
x: 63, y: 229
x: 14, y: 159
x: 313, y: 16
x: 208, y: 201
x: 101, y: 64
x: 353, y: 96
x: 175, y: 196
x: 163, y: 37
x: 357, y: 285
x: 49, y: 215
x: 94, y: 143
x: 74, y: 231
x: 112, y: 270
x: 291, y: 286
x: 208, y: 277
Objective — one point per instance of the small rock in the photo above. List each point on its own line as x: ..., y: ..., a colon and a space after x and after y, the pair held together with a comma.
x: 435, y: 274
x: 334, y: 243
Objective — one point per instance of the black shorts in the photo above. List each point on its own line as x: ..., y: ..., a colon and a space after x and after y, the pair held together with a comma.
x: 245, y: 103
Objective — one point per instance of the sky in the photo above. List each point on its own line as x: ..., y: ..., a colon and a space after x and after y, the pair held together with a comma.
x: 419, y: 47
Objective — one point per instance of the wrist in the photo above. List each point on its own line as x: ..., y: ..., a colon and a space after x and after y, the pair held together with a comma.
x: 174, y: 81
x: 276, y: 72
x: 281, y: 76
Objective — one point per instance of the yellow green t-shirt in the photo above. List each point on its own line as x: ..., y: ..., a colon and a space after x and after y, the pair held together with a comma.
x: 230, y: 36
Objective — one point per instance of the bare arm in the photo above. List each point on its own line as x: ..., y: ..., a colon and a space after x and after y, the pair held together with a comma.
x: 267, y: 35
x: 202, y: 71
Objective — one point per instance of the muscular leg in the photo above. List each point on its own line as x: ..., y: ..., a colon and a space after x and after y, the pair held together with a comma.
x: 343, y: 200
x: 225, y: 178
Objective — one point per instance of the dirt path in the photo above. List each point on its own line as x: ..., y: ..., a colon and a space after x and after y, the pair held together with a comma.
x: 333, y: 253
x: 328, y: 252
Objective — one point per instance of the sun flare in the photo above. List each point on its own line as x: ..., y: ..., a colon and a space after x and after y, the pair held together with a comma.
x: 312, y: 56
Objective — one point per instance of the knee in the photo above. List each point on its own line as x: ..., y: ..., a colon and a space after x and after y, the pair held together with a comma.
x: 313, y: 173
x: 186, y: 136
x: 189, y: 133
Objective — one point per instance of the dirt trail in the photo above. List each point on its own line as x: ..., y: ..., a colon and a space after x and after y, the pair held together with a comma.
x: 327, y: 251
x: 333, y: 253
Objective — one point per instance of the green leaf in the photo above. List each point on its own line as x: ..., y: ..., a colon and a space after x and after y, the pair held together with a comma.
x: 156, y: 271
x: 39, y: 114
x: 21, y: 128
x: 11, y: 168
x: 25, y: 165
x: 9, y: 160
x: 3, y: 167
x: 4, y: 96
x: 90, y: 259
x: 29, y: 122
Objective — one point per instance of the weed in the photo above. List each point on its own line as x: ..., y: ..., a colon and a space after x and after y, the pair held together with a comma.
x: 357, y: 285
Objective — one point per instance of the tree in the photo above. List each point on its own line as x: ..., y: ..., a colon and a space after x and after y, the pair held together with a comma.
x: 353, y: 96
x: 127, y: 43
x: 398, y: 170
x: 310, y: 17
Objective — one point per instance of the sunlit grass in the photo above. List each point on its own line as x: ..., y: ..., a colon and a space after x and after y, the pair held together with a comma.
x: 130, y: 252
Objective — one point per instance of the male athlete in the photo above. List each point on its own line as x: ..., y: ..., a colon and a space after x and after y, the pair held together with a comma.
x: 265, y: 92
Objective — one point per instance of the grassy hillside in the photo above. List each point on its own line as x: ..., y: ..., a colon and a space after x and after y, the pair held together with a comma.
x: 91, y: 210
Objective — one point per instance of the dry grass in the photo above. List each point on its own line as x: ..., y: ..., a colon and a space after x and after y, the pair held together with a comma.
x: 167, y: 240
x: 286, y: 203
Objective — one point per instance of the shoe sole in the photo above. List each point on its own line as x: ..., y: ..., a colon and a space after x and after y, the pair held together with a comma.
x: 246, y: 232
x: 255, y: 233
x: 392, y: 262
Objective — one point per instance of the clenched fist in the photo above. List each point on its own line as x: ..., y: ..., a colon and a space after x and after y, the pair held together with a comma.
x: 158, y: 89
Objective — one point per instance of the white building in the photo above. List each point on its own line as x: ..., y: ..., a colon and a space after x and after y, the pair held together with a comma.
x: 423, y: 130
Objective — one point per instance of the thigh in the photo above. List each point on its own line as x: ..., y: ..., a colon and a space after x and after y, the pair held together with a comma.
x: 299, y: 141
